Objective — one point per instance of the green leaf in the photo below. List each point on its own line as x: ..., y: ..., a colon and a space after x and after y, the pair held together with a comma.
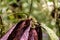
x: 38, y: 0
x: 50, y: 32
x: 50, y: 0
x: 9, y: 0
x: 0, y: 12
x: 11, y: 17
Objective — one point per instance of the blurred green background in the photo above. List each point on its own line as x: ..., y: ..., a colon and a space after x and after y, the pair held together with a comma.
x: 12, y: 11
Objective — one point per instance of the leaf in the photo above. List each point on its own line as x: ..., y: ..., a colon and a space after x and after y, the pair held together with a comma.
x: 50, y: 0
x: 38, y: 0
x: 50, y: 32
x: 8, y: 0
x: 0, y: 12
x: 11, y: 17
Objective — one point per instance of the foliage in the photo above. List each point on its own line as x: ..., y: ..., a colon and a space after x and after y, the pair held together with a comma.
x: 39, y: 9
x: 51, y: 33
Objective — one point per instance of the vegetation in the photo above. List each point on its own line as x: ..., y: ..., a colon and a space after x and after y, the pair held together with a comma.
x: 46, y: 12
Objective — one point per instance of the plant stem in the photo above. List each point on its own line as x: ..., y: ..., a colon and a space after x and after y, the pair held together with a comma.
x: 30, y: 10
